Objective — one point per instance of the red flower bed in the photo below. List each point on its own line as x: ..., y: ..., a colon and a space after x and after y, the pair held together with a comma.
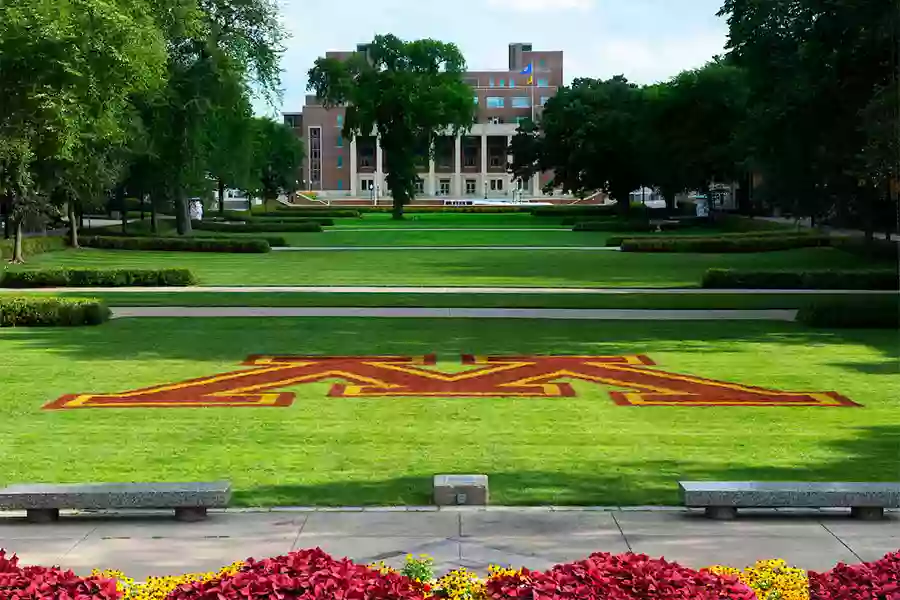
x: 43, y: 583
x: 879, y: 580
x: 310, y: 574
x: 603, y: 576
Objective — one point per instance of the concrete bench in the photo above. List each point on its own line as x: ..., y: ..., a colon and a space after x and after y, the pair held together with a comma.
x: 43, y: 501
x: 461, y: 490
x: 722, y: 499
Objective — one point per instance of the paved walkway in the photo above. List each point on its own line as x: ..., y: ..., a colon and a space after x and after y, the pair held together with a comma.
x: 492, y: 248
x: 575, y: 314
x: 454, y: 229
x: 532, y: 537
x: 217, y: 289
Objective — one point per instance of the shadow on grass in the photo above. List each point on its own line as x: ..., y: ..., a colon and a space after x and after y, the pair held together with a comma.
x: 233, y: 339
x: 873, y: 455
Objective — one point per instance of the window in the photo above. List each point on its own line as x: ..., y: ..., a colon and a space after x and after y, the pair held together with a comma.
x: 290, y: 120
x: 444, y: 187
x: 476, y: 99
x: 512, y: 83
x: 315, y: 158
x: 367, y: 185
x: 542, y: 63
x: 495, y: 120
x: 339, y: 120
x: 470, y: 155
x: 340, y: 141
x: 495, y: 102
x: 526, y: 47
x: 340, y: 184
x: 420, y: 185
x: 496, y: 185
x: 502, y: 83
x: 470, y: 187
x: 544, y: 100
x: 340, y: 162
x: 521, y: 102
x: 496, y: 160
x: 522, y: 120
x: 491, y: 82
x: 543, y: 83
x: 366, y: 157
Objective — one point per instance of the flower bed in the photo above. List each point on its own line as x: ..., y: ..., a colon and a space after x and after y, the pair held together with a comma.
x: 314, y: 575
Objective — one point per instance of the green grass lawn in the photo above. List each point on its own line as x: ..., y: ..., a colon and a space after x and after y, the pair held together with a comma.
x: 633, y: 301
x: 458, y: 237
x: 340, y: 451
x: 454, y: 220
x: 563, y: 268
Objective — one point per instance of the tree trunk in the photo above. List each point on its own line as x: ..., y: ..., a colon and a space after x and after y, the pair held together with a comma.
x: 18, y: 257
x: 73, y: 223
x: 397, y: 207
x: 221, y: 197
x: 154, y: 224
x: 182, y: 214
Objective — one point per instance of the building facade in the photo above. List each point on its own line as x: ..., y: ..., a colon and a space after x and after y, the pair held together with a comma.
x: 471, y: 165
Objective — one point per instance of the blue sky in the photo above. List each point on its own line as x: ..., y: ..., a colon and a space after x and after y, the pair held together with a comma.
x: 646, y: 40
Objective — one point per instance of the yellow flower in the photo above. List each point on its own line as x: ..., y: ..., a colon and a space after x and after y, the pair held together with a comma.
x: 771, y: 579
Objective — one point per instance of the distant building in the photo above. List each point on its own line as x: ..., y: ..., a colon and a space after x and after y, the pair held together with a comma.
x: 469, y: 166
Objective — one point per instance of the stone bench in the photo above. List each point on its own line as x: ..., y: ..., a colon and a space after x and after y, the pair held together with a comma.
x: 723, y: 499
x: 461, y: 490
x: 43, y: 501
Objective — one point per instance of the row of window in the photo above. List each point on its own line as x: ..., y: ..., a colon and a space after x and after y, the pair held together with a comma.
x: 496, y: 185
x: 516, y: 101
x: 512, y: 82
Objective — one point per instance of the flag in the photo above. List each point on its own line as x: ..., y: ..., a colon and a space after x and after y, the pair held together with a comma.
x: 528, y: 70
x: 531, y: 80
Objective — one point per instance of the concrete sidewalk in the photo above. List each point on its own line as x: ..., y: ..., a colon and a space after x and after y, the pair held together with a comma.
x: 453, y: 248
x: 364, y: 289
x: 565, y: 314
x: 533, y: 537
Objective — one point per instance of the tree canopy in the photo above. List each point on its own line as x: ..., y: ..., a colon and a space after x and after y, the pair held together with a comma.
x: 407, y: 91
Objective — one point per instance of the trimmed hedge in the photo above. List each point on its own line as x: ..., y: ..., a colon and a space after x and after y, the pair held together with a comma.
x: 97, y: 278
x: 275, y: 241
x: 33, y: 245
x: 60, y: 312
x: 485, y: 210
x: 881, y: 250
x: 636, y: 226
x: 309, y: 211
x: 870, y: 313
x: 618, y: 240
x: 725, y: 244
x: 174, y: 244
x: 253, y: 227
x: 874, y: 279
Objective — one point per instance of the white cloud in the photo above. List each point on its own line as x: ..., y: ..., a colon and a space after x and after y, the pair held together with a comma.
x: 541, y: 5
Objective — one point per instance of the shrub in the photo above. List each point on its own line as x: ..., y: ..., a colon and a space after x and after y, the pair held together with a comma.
x: 603, y: 576
x: 867, y: 581
x: 40, y: 583
x: 33, y: 245
x: 61, y: 312
x: 485, y: 210
x: 881, y: 250
x: 614, y: 225
x: 739, y: 223
x: 312, y: 211
x: 307, y: 574
x: 97, y: 278
x: 618, y: 240
x: 877, y: 312
x: 275, y: 241
x: 257, y: 227
x: 178, y: 244
x: 267, y: 219
x: 725, y: 244
x: 873, y: 279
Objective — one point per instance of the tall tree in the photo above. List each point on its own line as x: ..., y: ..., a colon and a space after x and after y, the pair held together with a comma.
x: 408, y: 91
x: 66, y: 66
x: 277, y: 157
x: 591, y: 135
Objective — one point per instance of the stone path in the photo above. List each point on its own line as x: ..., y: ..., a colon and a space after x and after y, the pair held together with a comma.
x: 532, y: 537
x: 491, y: 248
x: 215, y: 289
x: 455, y: 313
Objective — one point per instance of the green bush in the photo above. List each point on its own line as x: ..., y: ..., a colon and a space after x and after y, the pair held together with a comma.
x: 631, y: 225
x: 288, y: 220
x: 576, y: 210
x: 255, y: 227
x: 873, y: 279
x: 33, y: 245
x: 188, y: 244
x: 619, y: 240
x: 97, y: 278
x: 35, y: 312
x: 311, y: 211
x: 275, y: 241
x: 484, y: 210
x: 721, y: 244
x: 739, y: 223
x: 867, y: 313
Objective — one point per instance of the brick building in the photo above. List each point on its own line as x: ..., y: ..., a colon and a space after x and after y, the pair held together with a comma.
x: 472, y: 165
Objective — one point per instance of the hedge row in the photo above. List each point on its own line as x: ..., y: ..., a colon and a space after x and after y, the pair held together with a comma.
x: 873, y: 279
x: 870, y: 313
x: 256, y: 227
x: 33, y: 245
x: 275, y: 241
x: 630, y: 225
x: 97, y: 278
x: 881, y: 250
x: 723, y: 244
x: 618, y: 240
x: 36, y: 312
x: 312, y: 211
x: 243, y: 217
x: 190, y: 244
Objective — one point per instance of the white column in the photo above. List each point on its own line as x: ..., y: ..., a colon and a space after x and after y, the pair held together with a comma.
x: 457, y: 189
x: 510, y: 181
x: 484, y: 164
x: 352, y: 173
x: 430, y: 190
x: 379, y: 174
